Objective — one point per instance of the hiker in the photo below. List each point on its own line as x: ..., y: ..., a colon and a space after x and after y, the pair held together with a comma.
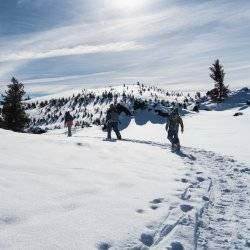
x: 172, y: 127
x: 112, y: 120
x: 68, y: 122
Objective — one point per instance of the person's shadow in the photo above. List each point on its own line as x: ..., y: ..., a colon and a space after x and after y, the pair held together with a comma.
x: 163, y: 146
x: 183, y: 155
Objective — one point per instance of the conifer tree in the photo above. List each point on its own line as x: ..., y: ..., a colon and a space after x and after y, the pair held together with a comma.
x: 13, y: 113
x: 220, y: 91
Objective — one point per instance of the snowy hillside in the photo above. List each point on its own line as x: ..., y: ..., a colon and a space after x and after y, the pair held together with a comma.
x: 87, y: 193
x: 143, y: 104
x: 90, y: 106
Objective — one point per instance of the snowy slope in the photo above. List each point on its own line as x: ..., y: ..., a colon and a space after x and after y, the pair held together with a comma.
x: 220, y: 132
x: 86, y: 193
x: 89, y: 106
x: 57, y: 194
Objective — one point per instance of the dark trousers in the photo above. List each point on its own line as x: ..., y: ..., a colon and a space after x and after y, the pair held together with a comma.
x: 114, y: 126
x: 69, y: 131
x: 173, y: 136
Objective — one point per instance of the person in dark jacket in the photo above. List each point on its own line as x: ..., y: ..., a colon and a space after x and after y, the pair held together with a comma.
x: 172, y: 127
x: 68, y: 122
x: 112, y: 120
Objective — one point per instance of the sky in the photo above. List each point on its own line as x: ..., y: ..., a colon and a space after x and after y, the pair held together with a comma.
x: 57, y: 45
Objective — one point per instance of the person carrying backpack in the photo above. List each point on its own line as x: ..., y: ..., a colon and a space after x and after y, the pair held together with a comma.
x: 112, y: 120
x: 172, y: 127
x: 68, y: 122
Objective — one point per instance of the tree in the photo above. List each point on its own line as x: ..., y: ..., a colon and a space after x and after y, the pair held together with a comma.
x: 13, y: 113
x: 1, y: 121
x: 220, y: 91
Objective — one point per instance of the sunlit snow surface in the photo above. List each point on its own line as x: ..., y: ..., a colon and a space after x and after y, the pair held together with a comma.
x: 87, y: 193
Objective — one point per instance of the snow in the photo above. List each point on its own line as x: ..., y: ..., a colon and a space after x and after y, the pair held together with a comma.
x: 128, y: 88
x: 57, y: 194
x: 221, y: 132
x: 87, y: 193
x: 90, y: 110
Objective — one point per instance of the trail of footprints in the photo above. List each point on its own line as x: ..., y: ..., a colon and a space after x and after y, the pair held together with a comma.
x: 225, y: 221
x: 178, y: 214
x: 204, y: 203
x: 213, y: 216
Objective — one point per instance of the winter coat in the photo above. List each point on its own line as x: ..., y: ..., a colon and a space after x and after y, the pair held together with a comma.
x: 68, y: 120
x: 173, y: 123
x: 112, y: 115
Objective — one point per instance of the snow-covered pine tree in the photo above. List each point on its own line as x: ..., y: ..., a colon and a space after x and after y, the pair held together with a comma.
x: 220, y: 91
x: 1, y: 121
x: 13, y: 113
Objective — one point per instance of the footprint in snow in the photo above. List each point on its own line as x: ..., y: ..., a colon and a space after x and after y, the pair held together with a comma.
x: 199, y: 172
x: 186, y: 208
x: 140, y: 211
x: 247, y: 243
x: 80, y: 144
x: 226, y: 190
x: 154, y: 207
x: 200, y: 179
x: 176, y: 246
x: 103, y: 246
x: 9, y: 220
x: 186, y: 195
x: 157, y: 201
x: 205, y: 198
x: 222, y: 181
x: 245, y: 170
x: 184, y: 180
x: 147, y: 239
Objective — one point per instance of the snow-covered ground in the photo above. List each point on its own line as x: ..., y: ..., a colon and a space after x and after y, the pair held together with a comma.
x: 87, y: 193
x: 89, y: 106
x: 221, y: 132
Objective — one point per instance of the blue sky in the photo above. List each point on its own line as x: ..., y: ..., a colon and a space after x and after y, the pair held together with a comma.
x: 56, y: 45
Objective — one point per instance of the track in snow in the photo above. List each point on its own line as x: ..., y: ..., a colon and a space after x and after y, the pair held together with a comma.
x: 212, y: 212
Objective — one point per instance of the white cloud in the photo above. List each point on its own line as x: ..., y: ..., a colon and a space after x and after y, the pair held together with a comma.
x: 77, y: 50
x: 170, y: 44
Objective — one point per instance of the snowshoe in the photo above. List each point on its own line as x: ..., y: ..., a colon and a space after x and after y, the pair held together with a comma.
x: 109, y: 139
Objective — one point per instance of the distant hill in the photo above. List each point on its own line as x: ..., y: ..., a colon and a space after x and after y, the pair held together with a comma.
x: 89, y: 106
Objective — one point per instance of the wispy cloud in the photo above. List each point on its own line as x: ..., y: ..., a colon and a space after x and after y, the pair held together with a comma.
x: 77, y: 50
x: 163, y: 41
